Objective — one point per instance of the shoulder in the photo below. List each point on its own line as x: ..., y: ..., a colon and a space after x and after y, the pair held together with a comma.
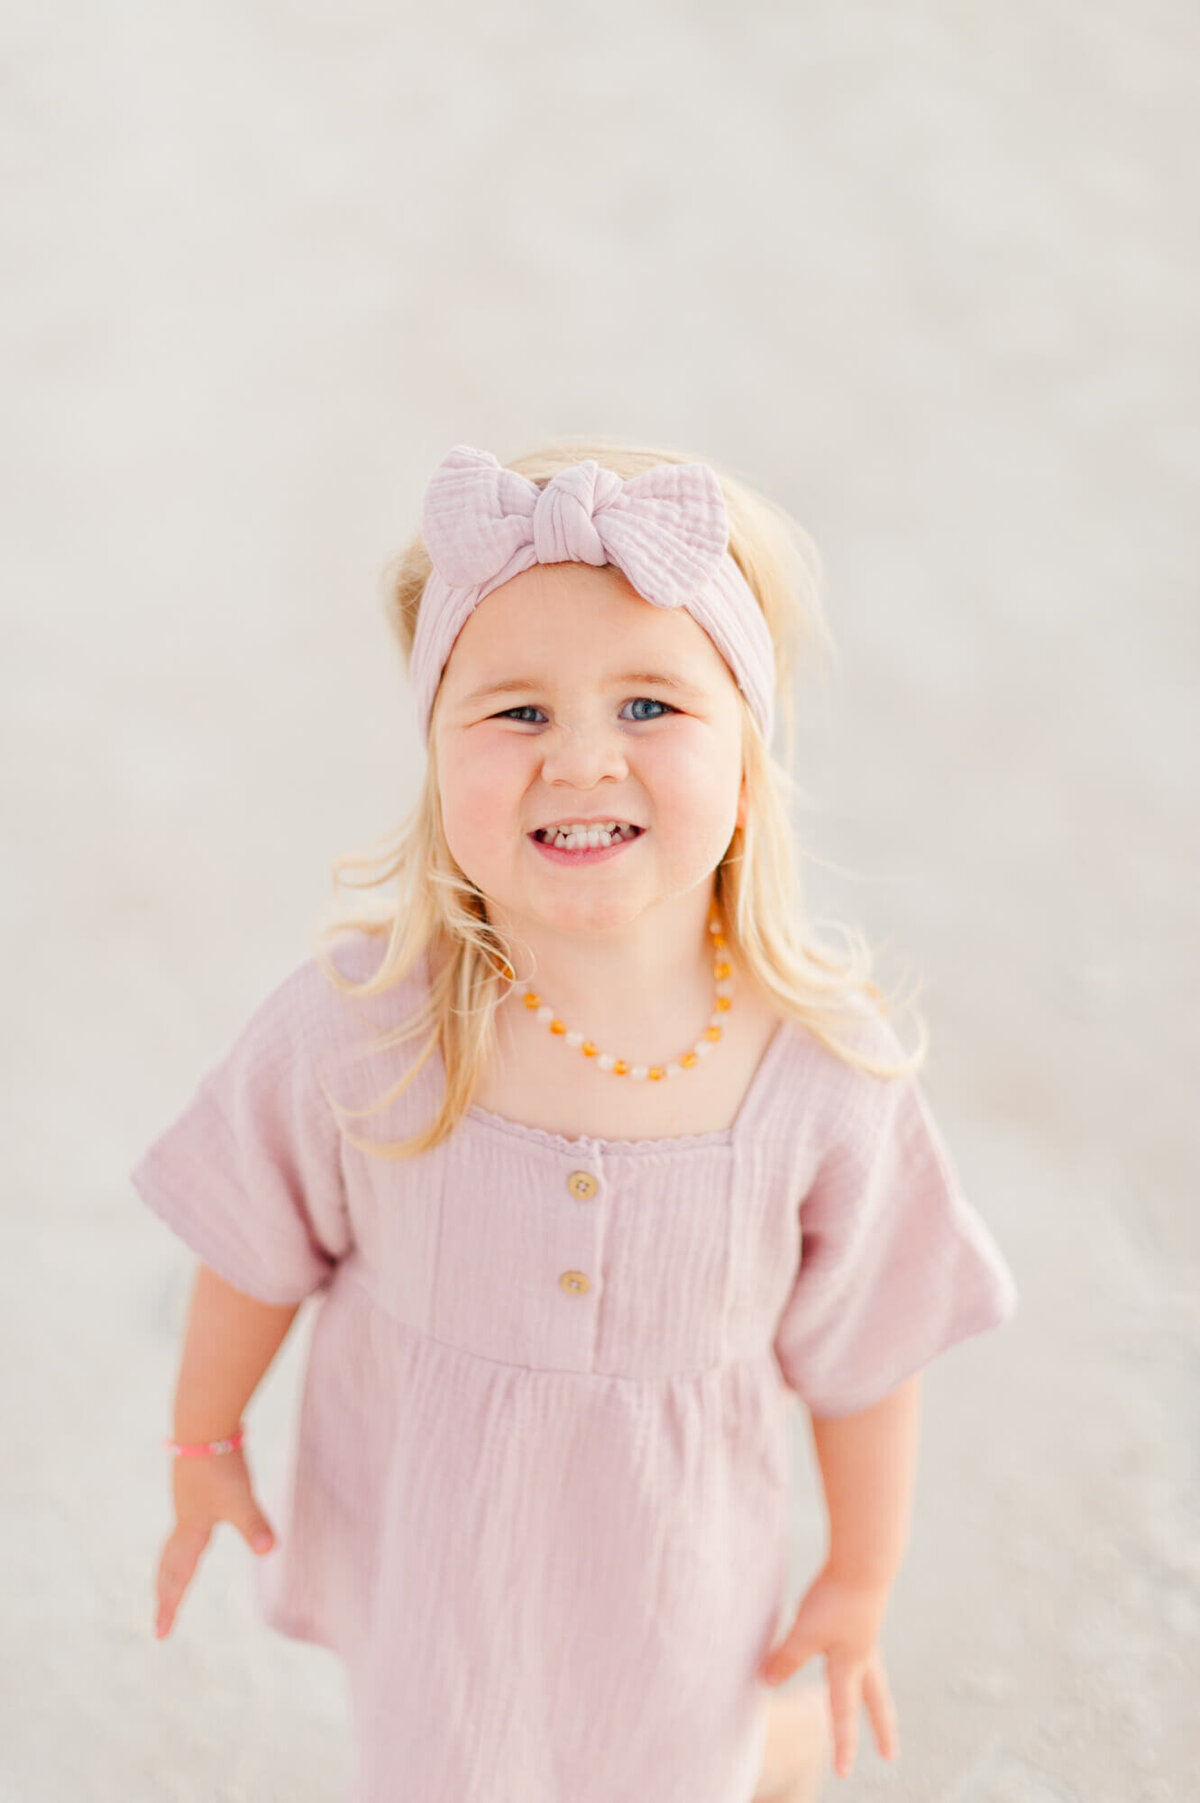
x: 314, y: 1013
x: 865, y: 1028
x: 831, y: 1060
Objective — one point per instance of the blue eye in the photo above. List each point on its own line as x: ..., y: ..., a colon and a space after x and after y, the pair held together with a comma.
x: 528, y: 708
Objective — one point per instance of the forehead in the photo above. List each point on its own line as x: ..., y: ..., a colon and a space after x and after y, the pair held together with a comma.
x: 571, y: 618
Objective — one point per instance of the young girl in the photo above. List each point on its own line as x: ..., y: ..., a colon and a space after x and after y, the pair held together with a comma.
x: 641, y: 1161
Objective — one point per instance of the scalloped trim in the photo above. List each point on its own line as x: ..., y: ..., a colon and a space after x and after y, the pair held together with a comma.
x: 560, y: 1142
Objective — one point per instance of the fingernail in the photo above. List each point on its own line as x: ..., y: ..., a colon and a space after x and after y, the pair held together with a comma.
x: 262, y: 1543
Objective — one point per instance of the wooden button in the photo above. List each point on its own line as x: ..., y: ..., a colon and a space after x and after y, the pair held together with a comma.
x: 575, y: 1283
x: 582, y: 1185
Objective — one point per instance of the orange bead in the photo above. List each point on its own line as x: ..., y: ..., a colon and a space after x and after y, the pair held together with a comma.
x: 589, y: 1048
x: 531, y: 1000
x: 719, y: 941
x: 724, y: 1002
x: 620, y: 1068
x: 558, y: 1026
x: 724, y: 970
x: 690, y: 1058
x: 711, y: 1033
x: 656, y: 1071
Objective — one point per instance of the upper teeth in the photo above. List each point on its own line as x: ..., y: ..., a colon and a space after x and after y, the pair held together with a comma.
x: 578, y: 836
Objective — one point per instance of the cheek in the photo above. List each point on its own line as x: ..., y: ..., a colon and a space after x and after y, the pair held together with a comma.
x: 478, y: 802
x: 697, y: 785
x: 695, y: 776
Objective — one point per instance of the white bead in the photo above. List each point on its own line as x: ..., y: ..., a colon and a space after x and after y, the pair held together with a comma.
x: 639, y: 1072
x: 702, y: 1047
x: 606, y: 1061
x: 725, y: 988
x: 674, y: 1070
x: 715, y: 1019
x: 574, y: 1038
x: 544, y: 1013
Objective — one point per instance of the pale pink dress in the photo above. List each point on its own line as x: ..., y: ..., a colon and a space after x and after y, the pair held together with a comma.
x: 539, y: 1491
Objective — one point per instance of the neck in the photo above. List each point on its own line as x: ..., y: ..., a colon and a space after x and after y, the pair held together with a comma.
x: 629, y: 986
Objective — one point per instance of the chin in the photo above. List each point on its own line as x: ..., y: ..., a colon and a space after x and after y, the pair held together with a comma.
x: 590, y: 914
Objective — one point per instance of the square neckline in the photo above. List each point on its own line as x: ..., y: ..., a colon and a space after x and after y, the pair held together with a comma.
x: 717, y: 1136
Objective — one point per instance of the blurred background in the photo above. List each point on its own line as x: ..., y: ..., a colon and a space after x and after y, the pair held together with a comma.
x: 925, y: 274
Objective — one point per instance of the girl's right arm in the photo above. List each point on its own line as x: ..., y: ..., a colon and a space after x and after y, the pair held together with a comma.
x: 229, y: 1342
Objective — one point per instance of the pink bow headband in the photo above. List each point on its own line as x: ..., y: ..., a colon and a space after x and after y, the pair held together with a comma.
x: 667, y: 531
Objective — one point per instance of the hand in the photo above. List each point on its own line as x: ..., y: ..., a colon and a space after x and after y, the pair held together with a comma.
x: 842, y: 1621
x: 215, y: 1487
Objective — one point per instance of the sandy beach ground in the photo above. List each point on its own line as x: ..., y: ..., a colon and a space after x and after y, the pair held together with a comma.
x: 927, y: 275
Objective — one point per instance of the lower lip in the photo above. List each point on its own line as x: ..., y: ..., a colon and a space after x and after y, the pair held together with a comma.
x: 596, y: 855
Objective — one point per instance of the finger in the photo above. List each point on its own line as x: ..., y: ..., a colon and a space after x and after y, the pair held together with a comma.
x: 180, y: 1556
x: 881, y: 1708
x: 785, y: 1659
x: 254, y: 1528
x: 844, y: 1695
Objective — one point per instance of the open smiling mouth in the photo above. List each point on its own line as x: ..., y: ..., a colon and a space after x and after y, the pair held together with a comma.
x: 591, y: 847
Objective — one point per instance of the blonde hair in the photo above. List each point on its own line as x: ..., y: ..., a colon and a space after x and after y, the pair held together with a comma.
x: 438, y: 914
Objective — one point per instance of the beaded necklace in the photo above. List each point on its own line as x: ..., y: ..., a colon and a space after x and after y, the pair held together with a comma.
x: 620, y: 1067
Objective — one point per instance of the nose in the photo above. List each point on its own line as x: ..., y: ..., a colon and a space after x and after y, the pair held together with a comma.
x: 583, y: 754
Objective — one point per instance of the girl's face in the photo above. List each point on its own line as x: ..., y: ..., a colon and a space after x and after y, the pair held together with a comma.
x: 567, y: 697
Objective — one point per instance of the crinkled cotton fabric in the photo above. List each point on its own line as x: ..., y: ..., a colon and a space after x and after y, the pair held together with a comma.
x: 538, y: 1487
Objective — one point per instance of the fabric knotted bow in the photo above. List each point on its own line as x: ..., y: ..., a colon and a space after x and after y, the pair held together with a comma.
x: 667, y: 530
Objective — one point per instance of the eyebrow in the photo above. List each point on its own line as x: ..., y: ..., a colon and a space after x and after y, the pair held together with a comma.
x: 511, y: 684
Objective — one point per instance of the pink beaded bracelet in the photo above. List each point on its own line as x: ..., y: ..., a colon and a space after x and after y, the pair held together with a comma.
x: 194, y: 1452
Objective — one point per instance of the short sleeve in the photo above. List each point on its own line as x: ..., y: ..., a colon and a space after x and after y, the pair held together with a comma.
x: 249, y: 1175
x: 895, y: 1265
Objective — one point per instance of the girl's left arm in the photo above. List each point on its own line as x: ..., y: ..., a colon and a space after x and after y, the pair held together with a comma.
x: 868, y: 1467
